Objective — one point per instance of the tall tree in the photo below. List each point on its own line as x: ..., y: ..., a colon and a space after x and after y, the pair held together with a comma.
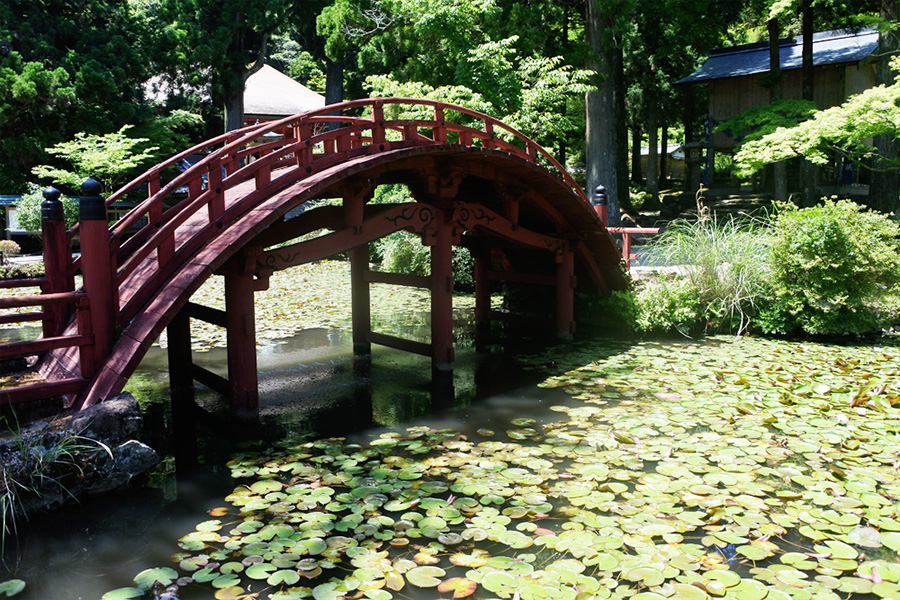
x: 221, y: 43
x: 65, y: 66
x: 603, y: 121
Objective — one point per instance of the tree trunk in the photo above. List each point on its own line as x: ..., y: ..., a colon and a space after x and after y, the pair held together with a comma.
x: 653, y: 155
x: 885, y: 186
x: 664, y: 153
x: 780, y: 167
x: 808, y: 171
x: 621, y: 152
x: 334, y: 82
x: 600, y: 135
x: 234, y: 109
x: 636, y: 170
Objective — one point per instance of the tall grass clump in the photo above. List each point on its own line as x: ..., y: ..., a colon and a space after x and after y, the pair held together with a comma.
x: 725, y: 263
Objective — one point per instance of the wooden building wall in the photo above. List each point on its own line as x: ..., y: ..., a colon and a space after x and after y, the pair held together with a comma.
x: 833, y: 84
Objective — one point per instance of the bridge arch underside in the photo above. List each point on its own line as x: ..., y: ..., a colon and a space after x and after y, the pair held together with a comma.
x: 521, y: 223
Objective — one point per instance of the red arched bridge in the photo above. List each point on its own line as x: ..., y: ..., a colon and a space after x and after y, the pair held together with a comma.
x: 241, y: 210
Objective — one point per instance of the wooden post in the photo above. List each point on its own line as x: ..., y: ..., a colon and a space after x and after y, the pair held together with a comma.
x: 360, y: 299
x: 241, y: 338
x: 57, y: 261
x: 482, y: 289
x: 97, y: 267
x: 565, y: 294
x: 181, y: 382
x: 442, y: 295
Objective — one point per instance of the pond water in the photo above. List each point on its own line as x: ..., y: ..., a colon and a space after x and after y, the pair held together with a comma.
x: 725, y: 468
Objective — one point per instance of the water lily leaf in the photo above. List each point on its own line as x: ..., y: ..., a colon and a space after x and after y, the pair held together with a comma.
x: 425, y: 577
x: 163, y: 575
x: 226, y: 581
x: 260, y: 571
x: 646, y: 575
x: 499, y: 582
x: 284, y: 576
x: 229, y: 593
x: 461, y: 587
x: 125, y: 593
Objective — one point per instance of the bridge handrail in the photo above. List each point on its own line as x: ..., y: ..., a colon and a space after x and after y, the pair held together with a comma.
x: 306, y: 143
x: 237, y: 141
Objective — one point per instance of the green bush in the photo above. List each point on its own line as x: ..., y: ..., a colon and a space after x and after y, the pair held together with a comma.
x: 835, y: 271
x: 669, y: 304
x: 403, y: 252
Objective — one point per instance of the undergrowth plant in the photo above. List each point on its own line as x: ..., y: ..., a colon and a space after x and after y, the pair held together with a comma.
x: 41, y: 463
x: 835, y: 271
x: 725, y: 262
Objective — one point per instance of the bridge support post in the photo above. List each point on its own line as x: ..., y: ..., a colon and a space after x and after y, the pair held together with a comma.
x: 360, y: 299
x: 565, y: 294
x: 442, y: 295
x: 240, y: 330
x: 482, y: 290
x: 57, y: 261
x: 181, y: 383
x: 97, y: 267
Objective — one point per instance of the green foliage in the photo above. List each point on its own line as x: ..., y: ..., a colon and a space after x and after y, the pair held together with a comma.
x: 847, y: 129
x: 403, y: 252
x: 725, y: 263
x: 108, y: 158
x: 23, y: 271
x: 669, y: 304
x: 835, y: 270
x: 28, y: 211
x: 66, y: 67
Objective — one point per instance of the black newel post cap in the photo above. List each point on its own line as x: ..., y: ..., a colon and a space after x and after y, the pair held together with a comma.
x: 51, y: 207
x: 91, y: 205
x: 600, y: 196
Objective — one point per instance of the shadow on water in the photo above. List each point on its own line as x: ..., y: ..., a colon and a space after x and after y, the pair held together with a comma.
x: 310, y: 385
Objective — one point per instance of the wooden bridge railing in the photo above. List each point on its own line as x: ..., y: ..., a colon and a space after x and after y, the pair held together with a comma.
x: 272, y: 155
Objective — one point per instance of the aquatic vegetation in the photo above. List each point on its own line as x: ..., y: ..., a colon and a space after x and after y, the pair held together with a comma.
x: 736, y: 468
x: 11, y: 587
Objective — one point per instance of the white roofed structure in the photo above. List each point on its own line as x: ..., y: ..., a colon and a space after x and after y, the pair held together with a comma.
x: 270, y: 94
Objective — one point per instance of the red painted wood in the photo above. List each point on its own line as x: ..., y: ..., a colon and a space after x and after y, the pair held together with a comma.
x: 360, y: 299
x: 442, y: 295
x: 58, y: 274
x: 97, y: 273
x: 241, y: 339
x: 13, y: 349
x: 40, y: 391
x: 565, y: 295
x: 482, y: 289
x: 158, y: 262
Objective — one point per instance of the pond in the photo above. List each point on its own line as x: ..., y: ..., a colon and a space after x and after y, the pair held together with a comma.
x: 732, y: 468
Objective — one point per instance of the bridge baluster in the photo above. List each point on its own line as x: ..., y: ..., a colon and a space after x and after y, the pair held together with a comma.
x: 57, y: 261
x: 440, y: 131
x: 378, y: 135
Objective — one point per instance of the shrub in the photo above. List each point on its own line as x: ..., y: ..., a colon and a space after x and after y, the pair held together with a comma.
x: 726, y: 264
x: 836, y: 270
x: 669, y: 304
x: 24, y: 271
x: 8, y: 248
x: 403, y: 252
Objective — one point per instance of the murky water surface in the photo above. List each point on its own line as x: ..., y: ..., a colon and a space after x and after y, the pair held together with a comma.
x: 727, y: 468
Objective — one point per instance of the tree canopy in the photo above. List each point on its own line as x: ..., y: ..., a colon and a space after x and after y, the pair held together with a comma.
x: 576, y: 75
